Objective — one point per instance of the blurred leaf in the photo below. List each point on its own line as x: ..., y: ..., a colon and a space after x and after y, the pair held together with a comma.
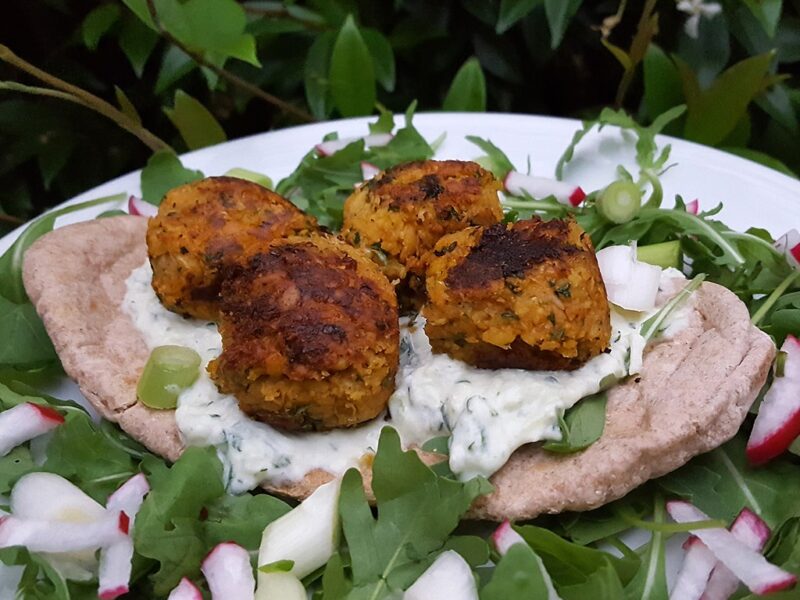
x: 714, y: 112
x: 709, y: 53
x: 761, y: 158
x: 662, y: 83
x: 317, y: 85
x: 352, y: 75
x: 53, y: 157
x: 213, y: 27
x: 468, y: 90
x: 788, y: 40
x: 163, y: 172
x: 197, y: 126
x: 126, y: 106
x: 559, y: 14
x: 512, y: 11
x: 620, y: 54
x: 777, y: 103
x: 382, y: 57
x: 139, y: 8
x: 137, y: 41
x: 174, y: 65
x: 97, y: 23
x: 768, y: 13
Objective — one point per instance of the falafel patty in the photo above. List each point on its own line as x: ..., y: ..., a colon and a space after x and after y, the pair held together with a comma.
x: 526, y: 295
x: 310, y: 335
x: 205, y: 226
x: 401, y: 213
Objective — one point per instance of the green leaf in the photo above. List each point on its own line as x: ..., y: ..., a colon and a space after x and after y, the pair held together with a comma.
x: 714, y: 112
x: 137, y: 41
x: 512, y: 11
x: 175, y: 64
x: 382, y: 57
x: 213, y: 27
x: 39, y: 579
x: 197, y: 126
x: 468, y: 90
x: 662, y: 85
x: 721, y: 483
x: 249, y: 175
x: 473, y: 549
x: 126, y: 106
x: 168, y: 526
x: 601, y: 584
x: 571, y: 564
x: 416, y: 512
x: 650, y: 582
x: 317, y: 85
x: 518, y: 576
x: 581, y: 426
x: 139, y: 8
x: 241, y: 518
x: 14, y: 465
x: 163, y: 172
x: 27, y: 343
x: 352, y: 74
x: 768, y: 13
x: 97, y: 23
x: 384, y: 123
x: 559, y: 14
x: 335, y: 585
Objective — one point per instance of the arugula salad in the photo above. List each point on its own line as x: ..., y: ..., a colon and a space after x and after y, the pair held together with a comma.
x: 188, y: 532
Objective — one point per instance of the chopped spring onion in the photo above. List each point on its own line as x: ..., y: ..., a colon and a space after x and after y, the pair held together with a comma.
x: 652, y: 326
x: 664, y: 255
x: 249, y: 175
x: 620, y: 202
x: 168, y: 371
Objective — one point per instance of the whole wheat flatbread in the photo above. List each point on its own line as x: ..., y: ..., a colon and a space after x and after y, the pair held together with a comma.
x: 693, y: 393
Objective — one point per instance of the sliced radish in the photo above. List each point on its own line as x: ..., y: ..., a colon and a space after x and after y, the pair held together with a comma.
x: 630, y: 283
x: 778, y: 421
x: 115, y: 560
x: 185, y: 590
x: 751, y: 530
x: 115, y: 569
x: 228, y: 572
x: 368, y: 170
x: 519, y: 184
x: 504, y: 537
x: 449, y: 576
x: 139, y: 208
x: 693, y: 207
x: 759, y: 575
x: 278, y: 584
x: 55, y: 536
x: 308, y: 535
x: 698, y: 563
x: 370, y: 141
x: 50, y: 497
x: 24, y: 422
x: 789, y: 245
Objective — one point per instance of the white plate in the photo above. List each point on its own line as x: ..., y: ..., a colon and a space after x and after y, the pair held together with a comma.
x: 753, y: 195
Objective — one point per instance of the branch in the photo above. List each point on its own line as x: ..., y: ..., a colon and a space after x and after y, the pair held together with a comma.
x: 77, y: 95
x: 11, y: 219
x: 227, y: 75
x: 285, y: 13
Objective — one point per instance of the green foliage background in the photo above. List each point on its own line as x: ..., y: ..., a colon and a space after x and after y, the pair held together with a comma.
x: 190, y: 73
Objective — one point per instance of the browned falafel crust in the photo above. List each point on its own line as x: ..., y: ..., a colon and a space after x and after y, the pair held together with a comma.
x: 310, y: 335
x: 526, y: 295
x: 205, y: 226
x: 400, y: 214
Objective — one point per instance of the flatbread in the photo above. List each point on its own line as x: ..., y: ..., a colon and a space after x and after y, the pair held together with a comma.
x: 692, y: 395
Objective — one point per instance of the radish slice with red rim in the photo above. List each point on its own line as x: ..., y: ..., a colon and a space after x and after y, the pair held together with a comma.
x: 368, y: 170
x: 519, y: 184
x: 331, y: 147
x: 693, y: 207
x: 777, y: 424
x: 630, y: 283
x: 698, y: 564
x: 57, y: 536
x: 759, y: 575
x: 789, y: 245
x: 751, y: 530
x: 139, y: 208
x: 115, y: 569
x: 185, y: 590
x: 228, y: 572
x: 129, y: 496
x: 24, y: 422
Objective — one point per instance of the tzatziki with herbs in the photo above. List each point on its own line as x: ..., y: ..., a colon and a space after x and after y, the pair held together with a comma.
x: 487, y: 414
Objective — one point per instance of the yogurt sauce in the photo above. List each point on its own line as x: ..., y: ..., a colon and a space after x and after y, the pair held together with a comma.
x: 486, y: 413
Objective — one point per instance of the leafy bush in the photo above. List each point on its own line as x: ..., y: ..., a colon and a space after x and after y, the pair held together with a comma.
x: 197, y: 72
